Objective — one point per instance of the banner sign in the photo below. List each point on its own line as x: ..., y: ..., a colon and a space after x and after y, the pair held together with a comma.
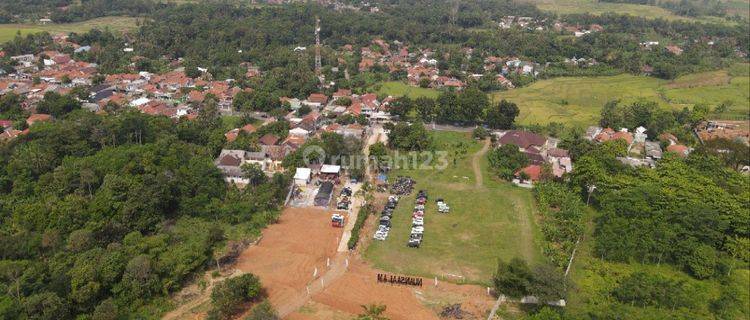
x: 392, y: 279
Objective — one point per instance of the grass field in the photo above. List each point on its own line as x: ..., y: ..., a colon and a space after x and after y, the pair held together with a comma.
x: 645, y: 11
x: 8, y: 31
x: 398, y: 88
x: 485, y: 224
x: 578, y: 100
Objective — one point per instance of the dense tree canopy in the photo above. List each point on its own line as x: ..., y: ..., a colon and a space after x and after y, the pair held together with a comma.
x: 100, y: 214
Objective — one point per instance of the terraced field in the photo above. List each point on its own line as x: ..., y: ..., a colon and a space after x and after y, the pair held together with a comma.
x: 578, y: 100
x: 9, y: 31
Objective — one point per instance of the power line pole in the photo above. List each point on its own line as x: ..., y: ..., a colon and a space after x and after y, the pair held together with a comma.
x: 318, y: 64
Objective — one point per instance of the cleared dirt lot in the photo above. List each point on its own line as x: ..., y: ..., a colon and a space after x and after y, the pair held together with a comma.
x: 290, y: 250
x: 303, y: 240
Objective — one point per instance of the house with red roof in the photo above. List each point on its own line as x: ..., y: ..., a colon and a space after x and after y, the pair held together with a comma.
x: 38, y: 117
x: 524, y: 140
x: 316, y: 100
x: 528, y: 175
x: 268, y: 139
x: 680, y: 150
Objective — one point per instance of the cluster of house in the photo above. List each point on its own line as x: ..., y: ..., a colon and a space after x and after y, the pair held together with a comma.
x: 541, y: 151
x: 581, y: 62
x: 37, y: 74
x: 505, y: 66
x: 641, y: 152
x: 527, y: 23
x: 673, y: 49
x: 170, y: 94
x: 342, y: 102
x: 731, y: 130
x: 577, y: 30
x: 273, y: 149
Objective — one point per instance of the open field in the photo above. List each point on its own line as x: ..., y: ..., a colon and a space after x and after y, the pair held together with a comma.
x: 398, y: 88
x: 578, y: 100
x: 645, y: 11
x: 488, y: 221
x: 8, y: 31
x: 302, y: 240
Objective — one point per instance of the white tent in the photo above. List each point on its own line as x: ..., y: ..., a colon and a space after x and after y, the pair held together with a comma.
x: 330, y: 169
x: 302, y: 176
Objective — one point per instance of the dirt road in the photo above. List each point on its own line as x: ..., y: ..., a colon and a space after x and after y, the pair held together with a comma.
x: 476, y: 163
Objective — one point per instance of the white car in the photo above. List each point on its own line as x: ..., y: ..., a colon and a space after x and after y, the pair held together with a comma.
x: 419, y: 229
x: 417, y: 222
x: 419, y: 207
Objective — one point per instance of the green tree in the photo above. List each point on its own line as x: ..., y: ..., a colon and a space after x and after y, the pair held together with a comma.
x: 425, y: 108
x: 502, y: 116
x: 228, y: 296
x: 263, y: 311
x: 513, y: 278
x: 56, y: 104
x: 254, y: 174
x: 702, y: 262
x: 506, y: 160
x: 372, y: 312
x: 401, y: 106
x: 472, y: 103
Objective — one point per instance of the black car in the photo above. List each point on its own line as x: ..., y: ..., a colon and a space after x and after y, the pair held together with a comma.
x: 386, y: 223
x: 414, y: 243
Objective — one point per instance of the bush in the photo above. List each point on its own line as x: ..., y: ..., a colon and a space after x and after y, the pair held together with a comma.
x: 480, y: 133
x: 228, y: 296
x: 702, y: 263
x: 263, y: 311
x: 516, y: 279
x: 361, y: 218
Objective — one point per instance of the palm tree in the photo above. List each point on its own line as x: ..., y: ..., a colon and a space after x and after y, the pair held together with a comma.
x: 372, y: 312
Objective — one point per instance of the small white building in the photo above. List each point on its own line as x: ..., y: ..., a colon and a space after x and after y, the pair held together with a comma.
x: 302, y: 176
x: 332, y: 170
x: 299, y: 132
x: 139, y: 102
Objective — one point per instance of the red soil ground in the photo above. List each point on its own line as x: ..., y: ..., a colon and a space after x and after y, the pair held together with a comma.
x: 303, y: 239
x: 289, y: 252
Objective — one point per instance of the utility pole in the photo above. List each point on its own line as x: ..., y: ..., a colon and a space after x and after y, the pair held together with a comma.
x: 318, y: 63
x: 591, y: 190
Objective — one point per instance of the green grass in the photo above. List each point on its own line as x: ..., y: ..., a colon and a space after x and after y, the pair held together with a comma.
x: 578, y: 100
x: 8, y: 33
x: 485, y: 224
x: 120, y: 24
x: 645, y: 11
x: 398, y: 88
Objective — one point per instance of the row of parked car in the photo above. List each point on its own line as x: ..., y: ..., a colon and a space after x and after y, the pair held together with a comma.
x: 384, y: 225
x: 345, y: 199
x: 417, y: 220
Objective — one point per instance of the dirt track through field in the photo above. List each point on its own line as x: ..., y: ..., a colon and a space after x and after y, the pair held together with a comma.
x: 476, y: 164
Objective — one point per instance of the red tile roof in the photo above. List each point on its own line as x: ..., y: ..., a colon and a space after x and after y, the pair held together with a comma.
x: 318, y: 98
x: 268, y: 139
x: 679, y: 149
x: 533, y: 171
x: 34, y: 118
